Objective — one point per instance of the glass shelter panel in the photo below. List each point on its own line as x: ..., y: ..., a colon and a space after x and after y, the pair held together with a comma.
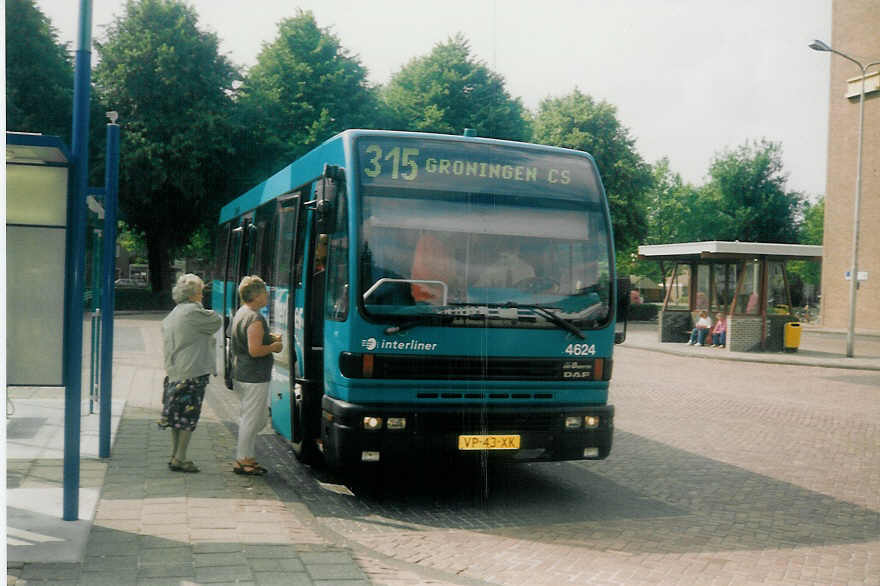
x: 679, y: 288
x: 724, y: 286
x: 777, y: 292
x: 750, y: 290
x: 701, y: 300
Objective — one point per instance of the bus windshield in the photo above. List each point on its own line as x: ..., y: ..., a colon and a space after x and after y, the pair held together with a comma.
x: 481, y: 256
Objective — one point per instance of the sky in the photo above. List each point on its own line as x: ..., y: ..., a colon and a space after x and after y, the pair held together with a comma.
x: 689, y: 78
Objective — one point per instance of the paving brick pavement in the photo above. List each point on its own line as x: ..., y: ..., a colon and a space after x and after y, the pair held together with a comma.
x: 152, y: 526
x: 691, y: 494
x: 723, y: 472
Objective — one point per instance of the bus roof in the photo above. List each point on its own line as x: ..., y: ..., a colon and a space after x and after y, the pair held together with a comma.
x: 332, y: 151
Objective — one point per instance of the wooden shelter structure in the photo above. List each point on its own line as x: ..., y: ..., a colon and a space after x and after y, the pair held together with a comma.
x: 746, y: 281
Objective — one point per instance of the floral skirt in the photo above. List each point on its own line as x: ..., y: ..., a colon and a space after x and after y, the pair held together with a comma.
x: 182, y: 402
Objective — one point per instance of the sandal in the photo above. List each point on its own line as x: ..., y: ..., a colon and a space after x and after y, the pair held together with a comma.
x: 178, y: 466
x: 248, y: 469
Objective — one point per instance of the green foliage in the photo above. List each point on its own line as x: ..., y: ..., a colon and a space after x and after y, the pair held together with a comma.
x: 812, y: 231
x: 200, y: 245
x: 747, y: 188
x: 577, y: 121
x: 449, y: 90
x: 132, y: 241
x: 39, y: 73
x: 677, y: 211
x: 304, y: 88
x: 171, y: 87
x: 745, y: 200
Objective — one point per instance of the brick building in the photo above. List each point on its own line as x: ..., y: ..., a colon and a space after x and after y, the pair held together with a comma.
x: 855, y: 25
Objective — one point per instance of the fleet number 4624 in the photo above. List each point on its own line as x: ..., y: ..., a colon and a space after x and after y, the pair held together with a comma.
x: 580, y: 349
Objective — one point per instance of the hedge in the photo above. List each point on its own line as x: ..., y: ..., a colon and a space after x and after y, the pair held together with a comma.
x: 644, y: 312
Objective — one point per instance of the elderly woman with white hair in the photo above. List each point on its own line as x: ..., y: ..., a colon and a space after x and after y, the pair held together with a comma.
x: 188, y: 338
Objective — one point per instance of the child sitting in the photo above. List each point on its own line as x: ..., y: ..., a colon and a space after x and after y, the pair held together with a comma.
x: 701, y: 330
x: 719, y: 332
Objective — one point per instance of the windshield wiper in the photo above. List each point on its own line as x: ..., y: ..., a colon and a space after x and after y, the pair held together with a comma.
x: 417, y: 321
x: 562, y: 323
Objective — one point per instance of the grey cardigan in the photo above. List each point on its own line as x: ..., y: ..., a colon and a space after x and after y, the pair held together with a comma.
x: 188, y: 341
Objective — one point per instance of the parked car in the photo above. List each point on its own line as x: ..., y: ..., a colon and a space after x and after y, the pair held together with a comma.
x: 130, y: 283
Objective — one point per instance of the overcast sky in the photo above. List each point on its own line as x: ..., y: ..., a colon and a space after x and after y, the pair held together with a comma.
x: 688, y: 77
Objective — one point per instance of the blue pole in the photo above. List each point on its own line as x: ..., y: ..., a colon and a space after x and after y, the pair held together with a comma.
x: 108, y: 272
x: 76, y: 264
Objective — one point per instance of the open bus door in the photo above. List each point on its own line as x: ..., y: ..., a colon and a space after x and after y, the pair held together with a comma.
x: 309, y: 387
x: 622, y: 313
x: 241, y: 250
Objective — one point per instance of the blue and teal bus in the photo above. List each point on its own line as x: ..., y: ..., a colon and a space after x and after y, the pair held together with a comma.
x: 435, y: 294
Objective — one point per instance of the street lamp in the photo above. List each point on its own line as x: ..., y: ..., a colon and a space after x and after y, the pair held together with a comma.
x: 818, y: 45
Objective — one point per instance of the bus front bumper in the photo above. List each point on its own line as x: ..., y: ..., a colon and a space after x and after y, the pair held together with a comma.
x: 528, y: 433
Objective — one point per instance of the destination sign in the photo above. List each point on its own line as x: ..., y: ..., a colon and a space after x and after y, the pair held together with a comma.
x: 474, y: 167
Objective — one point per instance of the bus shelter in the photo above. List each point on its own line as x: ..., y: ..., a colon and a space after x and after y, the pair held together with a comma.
x: 745, y: 281
x: 37, y: 176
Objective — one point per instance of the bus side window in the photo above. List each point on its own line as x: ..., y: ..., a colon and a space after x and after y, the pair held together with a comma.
x: 220, y: 251
x: 337, y: 262
x: 265, y: 258
x: 285, y: 226
x: 298, y: 258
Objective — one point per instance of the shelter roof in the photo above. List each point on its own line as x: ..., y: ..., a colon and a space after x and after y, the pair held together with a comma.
x: 724, y: 250
x: 35, y: 149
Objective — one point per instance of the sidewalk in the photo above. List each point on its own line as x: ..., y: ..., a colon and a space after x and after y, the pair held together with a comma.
x: 142, y: 524
x: 818, y: 347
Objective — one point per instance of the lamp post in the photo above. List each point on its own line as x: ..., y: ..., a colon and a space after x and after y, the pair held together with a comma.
x: 818, y: 45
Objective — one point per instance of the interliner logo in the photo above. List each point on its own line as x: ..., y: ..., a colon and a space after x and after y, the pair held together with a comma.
x: 372, y: 344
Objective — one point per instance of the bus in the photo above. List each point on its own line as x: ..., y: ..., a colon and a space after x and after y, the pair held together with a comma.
x: 440, y: 294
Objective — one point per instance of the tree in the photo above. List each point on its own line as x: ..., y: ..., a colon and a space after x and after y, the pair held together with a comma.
x: 39, y: 73
x: 676, y: 210
x: 449, y: 90
x: 577, y: 121
x: 171, y: 88
x: 748, y: 187
x: 812, y: 231
x: 304, y: 88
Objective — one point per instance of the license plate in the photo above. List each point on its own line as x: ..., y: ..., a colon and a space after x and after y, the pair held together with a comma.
x: 488, y: 442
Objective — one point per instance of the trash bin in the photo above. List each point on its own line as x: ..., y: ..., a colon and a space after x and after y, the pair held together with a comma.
x: 792, y: 337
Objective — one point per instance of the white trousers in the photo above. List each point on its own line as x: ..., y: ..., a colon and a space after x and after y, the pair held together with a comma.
x: 254, y: 415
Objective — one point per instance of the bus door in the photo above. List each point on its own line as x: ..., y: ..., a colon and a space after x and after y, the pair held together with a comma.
x: 309, y: 388
x: 239, y: 261
x: 286, y: 262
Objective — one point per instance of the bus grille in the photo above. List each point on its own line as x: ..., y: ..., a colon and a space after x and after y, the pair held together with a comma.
x: 476, y: 368
x: 487, y: 421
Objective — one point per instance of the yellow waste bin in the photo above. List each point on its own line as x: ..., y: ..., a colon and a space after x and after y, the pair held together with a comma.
x: 792, y: 338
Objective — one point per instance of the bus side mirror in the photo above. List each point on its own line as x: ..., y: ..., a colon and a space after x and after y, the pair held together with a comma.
x: 623, y: 287
x: 333, y: 178
x: 324, y: 216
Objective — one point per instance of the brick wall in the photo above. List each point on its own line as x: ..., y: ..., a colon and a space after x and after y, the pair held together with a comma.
x: 854, y: 31
x: 744, y: 332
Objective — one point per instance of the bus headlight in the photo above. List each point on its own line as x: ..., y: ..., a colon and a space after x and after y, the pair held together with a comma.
x: 572, y: 422
x: 372, y: 423
x: 396, y: 423
x: 591, y: 421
